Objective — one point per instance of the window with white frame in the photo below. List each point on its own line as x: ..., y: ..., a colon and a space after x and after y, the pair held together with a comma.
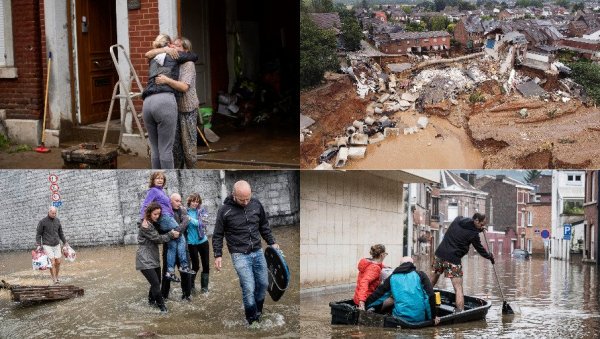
x: 6, y: 40
x: 574, y: 179
x: 529, y: 219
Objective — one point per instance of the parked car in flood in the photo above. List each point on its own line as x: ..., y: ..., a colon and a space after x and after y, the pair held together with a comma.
x: 520, y: 253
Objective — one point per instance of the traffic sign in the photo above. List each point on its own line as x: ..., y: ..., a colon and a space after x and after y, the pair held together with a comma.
x: 54, y: 188
x: 57, y: 203
x: 545, y: 234
x: 53, y: 178
x: 567, y: 232
x: 55, y: 197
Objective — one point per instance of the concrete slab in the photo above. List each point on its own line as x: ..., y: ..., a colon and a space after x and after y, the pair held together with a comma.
x: 411, y: 97
x: 369, y: 121
x: 377, y: 137
x: 342, y: 157
x: 359, y: 139
x: 356, y: 152
x: 24, y: 131
x: 305, y: 121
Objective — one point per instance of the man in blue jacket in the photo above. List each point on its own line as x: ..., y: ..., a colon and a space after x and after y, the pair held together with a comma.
x: 462, y: 233
x: 242, y: 221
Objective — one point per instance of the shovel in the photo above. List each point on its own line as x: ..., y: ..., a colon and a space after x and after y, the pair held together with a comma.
x: 506, y: 309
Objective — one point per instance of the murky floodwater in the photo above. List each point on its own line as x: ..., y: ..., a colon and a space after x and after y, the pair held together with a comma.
x: 557, y: 300
x: 115, y: 301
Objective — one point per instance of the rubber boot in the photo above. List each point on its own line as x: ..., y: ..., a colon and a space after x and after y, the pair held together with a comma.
x: 162, y: 307
x: 193, y: 285
x: 186, y: 283
x: 204, y: 282
x: 151, y: 300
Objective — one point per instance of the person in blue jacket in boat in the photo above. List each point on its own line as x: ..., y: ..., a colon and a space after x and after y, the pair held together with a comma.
x: 409, y: 291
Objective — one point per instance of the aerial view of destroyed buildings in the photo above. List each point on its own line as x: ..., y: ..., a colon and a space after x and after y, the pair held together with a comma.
x: 515, y: 83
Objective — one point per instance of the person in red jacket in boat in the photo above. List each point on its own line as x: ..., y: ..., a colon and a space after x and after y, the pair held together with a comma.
x: 369, y: 273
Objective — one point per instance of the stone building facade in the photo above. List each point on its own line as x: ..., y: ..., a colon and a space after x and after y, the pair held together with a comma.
x: 102, y: 207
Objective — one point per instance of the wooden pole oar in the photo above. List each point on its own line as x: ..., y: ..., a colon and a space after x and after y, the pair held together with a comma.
x: 506, y: 309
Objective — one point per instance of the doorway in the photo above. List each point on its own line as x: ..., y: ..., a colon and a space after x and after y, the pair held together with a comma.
x: 95, y: 24
x: 194, y: 26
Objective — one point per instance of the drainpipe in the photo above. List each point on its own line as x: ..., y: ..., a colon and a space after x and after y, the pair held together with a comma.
x: 597, y: 218
x: 223, y: 187
x: 409, y: 237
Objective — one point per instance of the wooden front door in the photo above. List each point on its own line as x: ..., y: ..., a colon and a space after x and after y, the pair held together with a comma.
x: 194, y: 26
x: 96, y: 32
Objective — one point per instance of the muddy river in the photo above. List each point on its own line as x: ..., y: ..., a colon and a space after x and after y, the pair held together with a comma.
x: 423, y: 150
x: 556, y: 299
x: 115, y: 301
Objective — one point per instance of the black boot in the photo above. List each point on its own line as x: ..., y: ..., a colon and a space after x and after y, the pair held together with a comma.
x: 151, y: 300
x: 193, y: 284
x: 204, y: 282
x: 259, y: 308
x: 162, y: 307
x: 186, y: 282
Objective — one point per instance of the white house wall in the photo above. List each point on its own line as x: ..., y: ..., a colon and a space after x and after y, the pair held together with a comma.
x: 342, y: 214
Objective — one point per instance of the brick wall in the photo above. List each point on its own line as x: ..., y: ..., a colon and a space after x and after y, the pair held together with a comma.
x: 23, y: 97
x: 143, y: 29
x: 541, y: 220
x: 103, y: 208
x: 427, y: 44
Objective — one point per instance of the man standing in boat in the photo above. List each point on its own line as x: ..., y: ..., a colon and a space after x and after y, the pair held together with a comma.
x: 242, y: 221
x: 49, y: 235
x: 462, y: 233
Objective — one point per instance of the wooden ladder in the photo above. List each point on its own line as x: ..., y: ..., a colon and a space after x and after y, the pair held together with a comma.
x: 128, y: 95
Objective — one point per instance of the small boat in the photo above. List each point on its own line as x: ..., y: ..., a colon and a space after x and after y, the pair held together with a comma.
x: 345, y: 313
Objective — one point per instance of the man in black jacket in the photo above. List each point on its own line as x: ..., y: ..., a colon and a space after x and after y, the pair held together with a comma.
x: 242, y: 221
x: 462, y: 233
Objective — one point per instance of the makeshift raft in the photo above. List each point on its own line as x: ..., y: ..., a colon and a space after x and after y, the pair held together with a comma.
x: 345, y: 313
x: 31, y: 294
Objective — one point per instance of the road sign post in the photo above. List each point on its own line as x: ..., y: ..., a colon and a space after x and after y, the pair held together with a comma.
x: 567, y: 231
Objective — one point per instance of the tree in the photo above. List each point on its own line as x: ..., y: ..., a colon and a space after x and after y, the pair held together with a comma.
x: 531, y: 175
x: 439, y: 5
x: 578, y: 7
x: 562, y: 3
x: 322, y: 6
x: 365, y: 4
x: 451, y: 27
x: 351, y: 33
x: 407, y: 9
x: 587, y: 74
x: 438, y: 23
x: 465, y: 6
x: 317, y: 52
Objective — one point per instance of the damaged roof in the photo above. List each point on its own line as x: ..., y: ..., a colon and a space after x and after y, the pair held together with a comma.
x: 418, y: 35
x: 473, y: 24
x: 453, y: 182
x: 327, y: 20
x: 530, y: 89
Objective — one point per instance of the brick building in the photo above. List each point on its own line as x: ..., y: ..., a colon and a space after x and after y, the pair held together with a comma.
x: 591, y: 208
x: 415, y: 42
x: 458, y: 197
x: 469, y: 32
x: 79, y: 33
x: 103, y: 209
x: 583, y: 24
x: 381, y: 16
x: 538, y: 213
x: 507, y: 202
x: 589, y: 49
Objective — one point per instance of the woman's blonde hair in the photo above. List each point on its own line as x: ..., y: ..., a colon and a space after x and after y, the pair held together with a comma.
x: 161, y: 40
x: 377, y: 251
x: 186, y: 44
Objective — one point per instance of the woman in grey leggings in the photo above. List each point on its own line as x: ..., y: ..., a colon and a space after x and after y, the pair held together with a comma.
x: 160, y: 106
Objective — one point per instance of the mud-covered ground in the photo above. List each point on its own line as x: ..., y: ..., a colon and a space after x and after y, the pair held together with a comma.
x: 492, y: 134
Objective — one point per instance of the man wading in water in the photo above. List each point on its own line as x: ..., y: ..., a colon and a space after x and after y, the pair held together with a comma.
x: 242, y: 221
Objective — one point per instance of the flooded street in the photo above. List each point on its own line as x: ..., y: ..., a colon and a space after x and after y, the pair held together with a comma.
x: 556, y: 298
x: 115, y: 301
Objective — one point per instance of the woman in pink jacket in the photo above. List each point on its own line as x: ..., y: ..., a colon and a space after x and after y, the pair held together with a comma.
x: 369, y: 272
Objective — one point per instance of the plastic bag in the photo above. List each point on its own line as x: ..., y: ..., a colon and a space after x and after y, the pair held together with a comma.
x: 40, y: 260
x: 69, y: 253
